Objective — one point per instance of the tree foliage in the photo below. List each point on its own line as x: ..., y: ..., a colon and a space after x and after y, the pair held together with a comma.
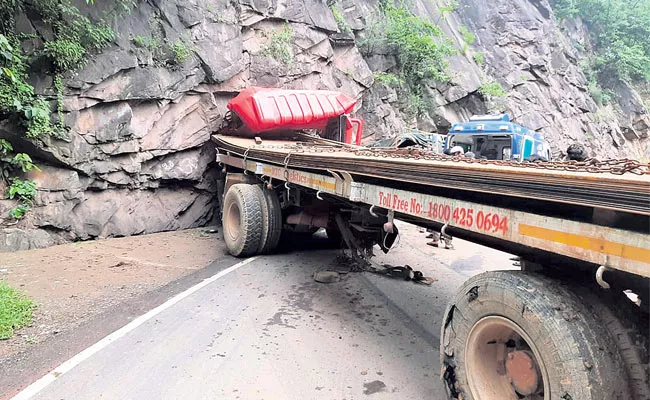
x: 71, y: 37
x: 420, y: 47
x: 492, y: 89
x: 279, y: 44
x: 620, y: 31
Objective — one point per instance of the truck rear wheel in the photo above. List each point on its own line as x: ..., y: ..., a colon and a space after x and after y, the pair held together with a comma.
x: 242, y: 220
x: 513, y: 335
x: 628, y: 326
x: 272, y: 230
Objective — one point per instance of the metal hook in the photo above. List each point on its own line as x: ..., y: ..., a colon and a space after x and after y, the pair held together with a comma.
x: 372, y: 212
x: 245, y: 163
x: 318, y: 196
x: 599, y: 277
x: 442, y: 230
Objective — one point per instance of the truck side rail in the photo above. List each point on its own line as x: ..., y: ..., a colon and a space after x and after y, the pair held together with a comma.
x: 609, y: 247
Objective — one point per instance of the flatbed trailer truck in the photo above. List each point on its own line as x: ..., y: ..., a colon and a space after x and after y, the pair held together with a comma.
x: 561, y: 328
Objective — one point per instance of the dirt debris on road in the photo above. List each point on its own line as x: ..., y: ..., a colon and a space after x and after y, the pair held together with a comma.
x: 72, y: 283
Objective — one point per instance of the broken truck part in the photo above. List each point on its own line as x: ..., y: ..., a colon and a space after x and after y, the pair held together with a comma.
x: 547, y: 332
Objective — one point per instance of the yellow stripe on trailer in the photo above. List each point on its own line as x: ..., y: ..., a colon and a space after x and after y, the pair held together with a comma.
x: 588, y: 243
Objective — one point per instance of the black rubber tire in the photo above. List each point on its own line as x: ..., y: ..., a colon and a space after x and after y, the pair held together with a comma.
x: 579, y: 355
x: 628, y: 326
x: 273, y: 212
x: 242, y: 237
x: 259, y: 191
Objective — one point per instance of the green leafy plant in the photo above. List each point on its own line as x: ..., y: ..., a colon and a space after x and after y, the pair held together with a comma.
x: 16, y: 310
x: 468, y: 37
x: 479, y: 58
x: 19, y: 211
x: 38, y: 120
x: 421, y: 49
x: 388, y: 78
x: 164, y: 52
x: 181, y: 51
x: 65, y: 54
x: 17, y: 97
x: 412, y: 104
x: 492, y: 89
x: 71, y: 38
x: 601, y: 96
x: 25, y: 191
x: 5, y: 147
x: 145, y: 42
x: 279, y: 44
x: 342, y: 24
x: 620, y: 34
x: 448, y: 7
x: 24, y: 162
x: 75, y: 34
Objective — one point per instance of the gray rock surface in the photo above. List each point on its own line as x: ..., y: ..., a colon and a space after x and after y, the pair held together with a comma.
x: 137, y: 158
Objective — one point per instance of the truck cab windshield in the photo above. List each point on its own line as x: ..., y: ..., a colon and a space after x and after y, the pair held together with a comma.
x: 490, y: 147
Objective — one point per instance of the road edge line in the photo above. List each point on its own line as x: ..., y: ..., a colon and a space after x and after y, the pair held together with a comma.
x: 66, y: 366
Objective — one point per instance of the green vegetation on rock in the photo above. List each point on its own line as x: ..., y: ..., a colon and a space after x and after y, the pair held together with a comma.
x: 620, y: 32
x: 181, y: 50
x: 421, y: 48
x: 342, y: 24
x: 72, y: 38
x: 15, y: 310
x: 492, y: 89
x: 75, y: 35
x: 279, y: 44
x: 388, y: 78
x: 468, y: 37
x: 16, y: 94
x: 479, y: 58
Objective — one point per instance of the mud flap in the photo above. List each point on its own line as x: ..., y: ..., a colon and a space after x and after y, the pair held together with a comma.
x: 388, y: 239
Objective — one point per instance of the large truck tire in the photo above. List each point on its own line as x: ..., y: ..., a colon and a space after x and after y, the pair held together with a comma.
x: 513, y: 335
x: 628, y: 326
x: 272, y: 221
x: 242, y: 220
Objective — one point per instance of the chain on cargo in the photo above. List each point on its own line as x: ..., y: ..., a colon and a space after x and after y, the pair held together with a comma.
x: 592, y: 165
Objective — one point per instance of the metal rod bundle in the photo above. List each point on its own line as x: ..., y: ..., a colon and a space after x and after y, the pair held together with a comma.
x: 629, y: 192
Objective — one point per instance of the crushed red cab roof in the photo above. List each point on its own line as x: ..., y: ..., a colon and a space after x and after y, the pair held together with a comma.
x: 266, y: 109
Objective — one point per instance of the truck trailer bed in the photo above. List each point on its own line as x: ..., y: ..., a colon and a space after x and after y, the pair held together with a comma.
x: 458, y: 195
x: 622, y: 186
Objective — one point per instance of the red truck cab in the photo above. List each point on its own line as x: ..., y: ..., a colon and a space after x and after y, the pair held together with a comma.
x: 269, y: 111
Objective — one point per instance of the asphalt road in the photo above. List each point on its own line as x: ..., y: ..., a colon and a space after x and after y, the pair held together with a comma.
x: 267, y: 330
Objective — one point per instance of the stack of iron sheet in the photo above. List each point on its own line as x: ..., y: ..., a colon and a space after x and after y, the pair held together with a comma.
x: 628, y: 192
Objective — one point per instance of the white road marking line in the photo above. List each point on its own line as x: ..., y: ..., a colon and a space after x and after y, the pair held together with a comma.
x: 31, y: 390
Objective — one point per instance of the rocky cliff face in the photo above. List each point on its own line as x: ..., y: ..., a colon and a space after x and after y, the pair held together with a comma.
x: 138, y: 158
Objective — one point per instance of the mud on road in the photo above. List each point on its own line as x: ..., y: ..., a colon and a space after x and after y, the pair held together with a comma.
x: 74, y: 284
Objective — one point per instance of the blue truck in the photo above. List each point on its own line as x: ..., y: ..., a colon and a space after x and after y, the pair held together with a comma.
x: 494, y: 137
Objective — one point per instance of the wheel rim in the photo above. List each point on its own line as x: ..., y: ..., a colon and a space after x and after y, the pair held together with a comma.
x: 503, y: 363
x: 233, y: 221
